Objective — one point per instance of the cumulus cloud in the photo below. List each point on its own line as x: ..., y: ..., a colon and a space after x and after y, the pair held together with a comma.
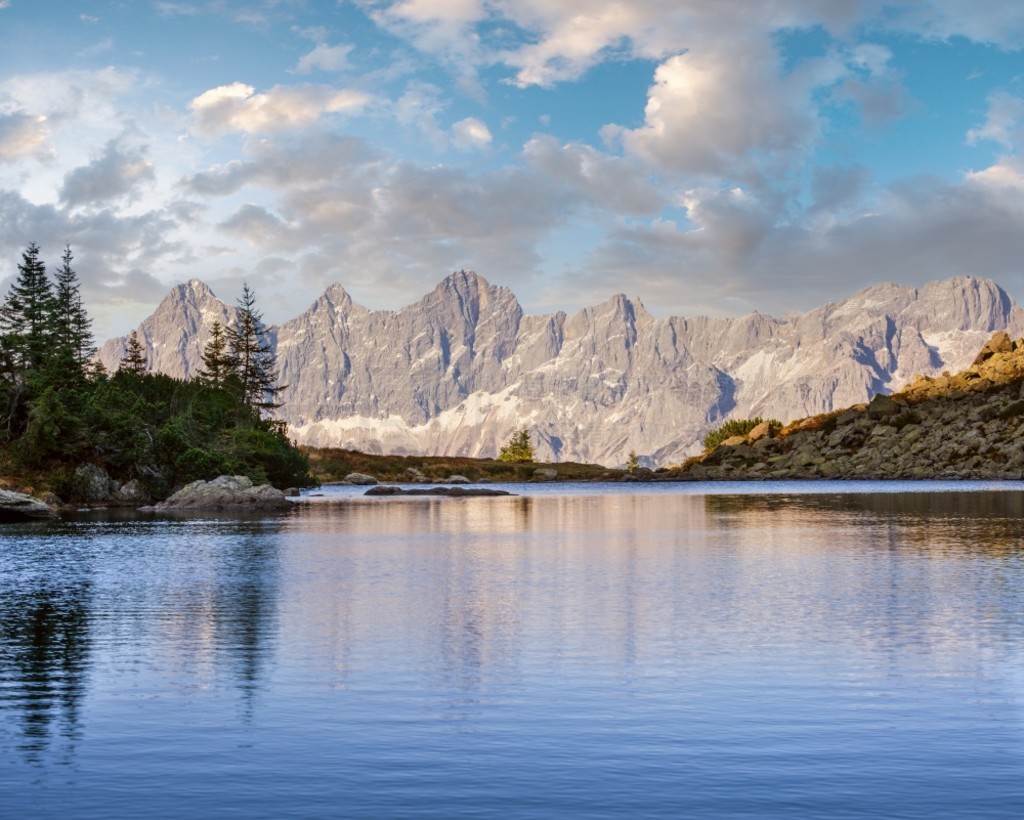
x: 22, y: 135
x: 238, y: 107
x: 117, y: 173
x: 729, y: 111
x: 738, y: 255
x: 471, y: 134
x: 602, y: 181
x: 311, y: 159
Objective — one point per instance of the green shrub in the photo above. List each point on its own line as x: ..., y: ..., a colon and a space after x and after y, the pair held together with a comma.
x: 736, y: 427
x: 519, y: 450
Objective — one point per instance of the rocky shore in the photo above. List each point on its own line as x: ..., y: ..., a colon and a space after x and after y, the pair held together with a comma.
x: 969, y: 425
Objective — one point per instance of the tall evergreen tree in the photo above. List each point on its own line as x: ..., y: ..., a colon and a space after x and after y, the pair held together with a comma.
x: 73, y: 340
x: 218, y: 363
x: 255, y: 363
x: 26, y: 316
x: 134, y: 359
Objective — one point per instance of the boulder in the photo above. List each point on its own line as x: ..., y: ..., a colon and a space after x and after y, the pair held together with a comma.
x: 225, y: 492
x: 133, y: 492
x: 734, y: 441
x: 359, y: 479
x: 999, y: 343
x: 760, y: 431
x: 93, y: 485
x: 882, y: 405
x: 457, y: 479
x: 545, y: 474
x: 20, y: 507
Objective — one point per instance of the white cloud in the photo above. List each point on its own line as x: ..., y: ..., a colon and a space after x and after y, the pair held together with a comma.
x: 117, y: 173
x: 237, y: 107
x: 600, y: 180
x: 1007, y: 173
x: 729, y: 111
x: 1003, y: 122
x: 324, y: 58
x: 23, y: 136
x: 97, y: 48
x: 471, y: 134
x: 418, y: 109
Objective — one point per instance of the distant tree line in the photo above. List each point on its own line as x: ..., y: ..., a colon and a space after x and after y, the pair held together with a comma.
x: 60, y: 409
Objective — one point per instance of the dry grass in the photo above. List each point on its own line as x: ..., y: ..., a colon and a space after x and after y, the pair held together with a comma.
x: 331, y: 464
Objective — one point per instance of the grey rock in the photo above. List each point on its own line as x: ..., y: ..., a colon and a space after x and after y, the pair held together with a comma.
x: 225, y: 492
x: 452, y: 492
x: 455, y: 373
x: 133, y: 492
x: 93, y: 485
x: 457, y: 479
x: 15, y: 507
x: 545, y: 474
x: 359, y: 479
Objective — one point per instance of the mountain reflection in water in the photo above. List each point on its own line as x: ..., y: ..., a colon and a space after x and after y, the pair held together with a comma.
x: 840, y: 654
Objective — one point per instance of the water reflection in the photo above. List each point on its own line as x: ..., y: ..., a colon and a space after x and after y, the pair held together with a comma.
x: 44, y: 662
x: 465, y: 586
x: 631, y: 652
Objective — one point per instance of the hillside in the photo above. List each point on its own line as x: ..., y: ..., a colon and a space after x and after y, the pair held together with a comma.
x: 968, y: 425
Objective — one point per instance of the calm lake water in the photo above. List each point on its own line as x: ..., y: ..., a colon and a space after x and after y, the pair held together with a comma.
x: 807, y: 650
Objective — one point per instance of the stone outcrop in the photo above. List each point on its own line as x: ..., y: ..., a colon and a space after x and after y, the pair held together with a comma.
x: 455, y: 373
x: 18, y: 507
x: 224, y: 493
x: 451, y: 492
x: 359, y: 479
x: 968, y: 425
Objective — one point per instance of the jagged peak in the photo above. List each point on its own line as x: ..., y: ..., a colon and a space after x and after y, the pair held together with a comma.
x: 194, y: 291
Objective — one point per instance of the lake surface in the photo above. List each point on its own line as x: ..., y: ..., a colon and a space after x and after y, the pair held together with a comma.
x: 734, y: 650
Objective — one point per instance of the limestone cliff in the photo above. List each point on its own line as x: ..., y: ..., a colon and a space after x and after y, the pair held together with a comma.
x: 456, y: 372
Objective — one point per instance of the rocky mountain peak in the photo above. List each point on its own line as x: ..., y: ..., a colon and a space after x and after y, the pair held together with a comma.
x: 456, y: 372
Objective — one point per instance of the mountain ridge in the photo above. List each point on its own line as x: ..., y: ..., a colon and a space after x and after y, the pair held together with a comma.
x: 456, y: 371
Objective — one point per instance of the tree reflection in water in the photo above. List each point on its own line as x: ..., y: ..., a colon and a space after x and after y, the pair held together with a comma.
x: 44, y: 660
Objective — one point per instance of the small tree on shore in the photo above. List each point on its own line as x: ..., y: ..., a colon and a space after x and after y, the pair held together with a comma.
x: 218, y: 363
x: 134, y: 359
x: 254, y: 361
x: 26, y: 316
x: 72, y: 327
x: 519, y: 450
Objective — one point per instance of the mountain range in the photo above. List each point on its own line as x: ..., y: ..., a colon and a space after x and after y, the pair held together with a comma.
x: 458, y: 371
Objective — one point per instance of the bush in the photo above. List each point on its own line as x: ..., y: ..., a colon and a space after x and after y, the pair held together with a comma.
x: 736, y: 427
x: 519, y: 450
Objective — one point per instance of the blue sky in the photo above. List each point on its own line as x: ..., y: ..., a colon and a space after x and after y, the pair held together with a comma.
x: 706, y: 156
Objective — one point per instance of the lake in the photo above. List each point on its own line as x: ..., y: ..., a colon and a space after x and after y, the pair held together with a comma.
x: 826, y: 649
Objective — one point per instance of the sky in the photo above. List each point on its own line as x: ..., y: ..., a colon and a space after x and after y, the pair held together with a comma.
x: 705, y: 156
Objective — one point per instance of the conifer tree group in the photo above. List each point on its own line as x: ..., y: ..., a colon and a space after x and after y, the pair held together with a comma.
x: 59, y: 408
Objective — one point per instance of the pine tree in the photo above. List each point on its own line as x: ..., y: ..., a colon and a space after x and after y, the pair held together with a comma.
x: 519, y: 449
x: 73, y: 340
x: 134, y: 359
x: 255, y: 364
x: 26, y: 316
x: 218, y: 363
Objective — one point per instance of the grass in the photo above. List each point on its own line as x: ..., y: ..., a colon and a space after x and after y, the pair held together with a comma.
x: 330, y: 464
